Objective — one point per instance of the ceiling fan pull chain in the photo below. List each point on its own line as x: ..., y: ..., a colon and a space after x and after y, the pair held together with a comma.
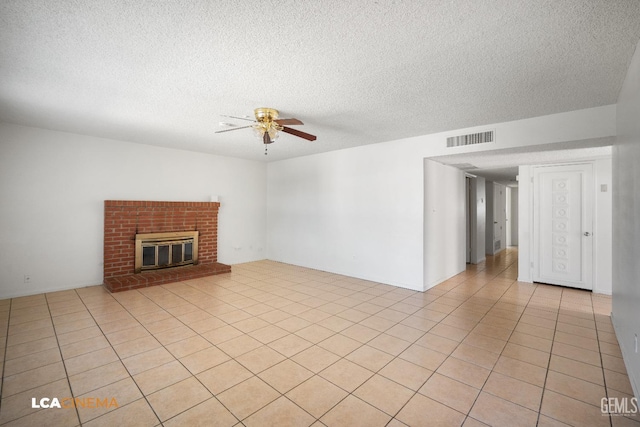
x: 265, y: 149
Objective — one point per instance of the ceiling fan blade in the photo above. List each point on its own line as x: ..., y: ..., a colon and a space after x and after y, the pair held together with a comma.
x: 285, y: 122
x: 229, y: 130
x: 239, y: 118
x: 300, y: 134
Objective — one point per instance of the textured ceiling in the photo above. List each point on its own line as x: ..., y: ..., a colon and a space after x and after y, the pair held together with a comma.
x: 357, y: 72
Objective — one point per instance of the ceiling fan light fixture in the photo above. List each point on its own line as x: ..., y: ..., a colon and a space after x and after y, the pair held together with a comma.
x: 265, y: 123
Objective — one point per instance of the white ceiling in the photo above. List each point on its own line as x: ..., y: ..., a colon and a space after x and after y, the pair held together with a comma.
x: 356, y: 72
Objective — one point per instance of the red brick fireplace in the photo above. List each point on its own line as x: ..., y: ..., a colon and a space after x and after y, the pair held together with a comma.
x: 124, y: 219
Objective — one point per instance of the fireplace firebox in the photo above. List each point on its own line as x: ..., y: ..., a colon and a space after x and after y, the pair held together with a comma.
x: 163, y: 250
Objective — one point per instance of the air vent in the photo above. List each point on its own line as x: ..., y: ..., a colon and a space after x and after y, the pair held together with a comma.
x: 497, y: 245
x: 464, y: 166
x: 470, y: 139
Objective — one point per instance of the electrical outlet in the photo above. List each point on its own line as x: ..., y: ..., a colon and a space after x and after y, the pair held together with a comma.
x: 27, y: 278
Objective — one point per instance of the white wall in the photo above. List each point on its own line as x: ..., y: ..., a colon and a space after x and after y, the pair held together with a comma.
x: 52, y: 188
x: 479, y: 213
x: 359, y: 211
x: 481, y: 210
x: 354, y: 212
x: 488, y: 241
x: 514, y: 216
x: 444, y: 223
x: 602, y: 231
x: 626, y: 223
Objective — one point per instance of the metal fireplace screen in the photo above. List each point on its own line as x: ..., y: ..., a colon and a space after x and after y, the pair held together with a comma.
x: 162, y: 250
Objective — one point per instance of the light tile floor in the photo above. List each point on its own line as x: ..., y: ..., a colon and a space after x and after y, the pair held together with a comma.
x: 276, y: 344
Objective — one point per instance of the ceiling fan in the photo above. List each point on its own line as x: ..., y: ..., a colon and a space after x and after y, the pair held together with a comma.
x: 267, y: 125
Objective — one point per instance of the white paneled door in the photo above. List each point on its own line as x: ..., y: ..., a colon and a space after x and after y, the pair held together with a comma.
x: 563, y: 225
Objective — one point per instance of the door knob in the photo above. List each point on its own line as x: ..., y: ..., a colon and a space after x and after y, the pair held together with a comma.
x: 586, y: 233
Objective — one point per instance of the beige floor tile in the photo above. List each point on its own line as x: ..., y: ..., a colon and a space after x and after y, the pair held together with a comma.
x: 526, y: 340
x: 406, y: 373
x: 204, y: 359
x: 472, y: 422
x: 613, y: 363
x: 360, y: 333
x: 577, y: 369
x: 87, y: 361
x: 449, y: 332
x: 315, y: 358
x: 316, y: 395
x: 389, y: 344
x: 527, y: 354
x: 571, y: 411
x: 19, y: 405
x: 427, y: 358
x: 437, y: 343
x: 32, y: 379
x: 83, y: 334
x: 346, y: 375
x: 378, y: 323
x: 174, y: 335
x: 177, y: 398
x: 139, y: 410
x: 138, y: 346
x: 223, y: 334
x: 208, y: 412
x: 575, y: 388
x: 419, y: 323
x: 484, y: 342
x: 422, y: 411
x: 293, y: 324
x: 450, y: 392
x: 83, y: 347
x: 315, y: 333
x: 124, y: 391
x: 384, y: 394
x: 544, y: 421
x: 31, y: 361
x: 260, y: 359
x: 161, y: 376
x: 478, y: 356
x: 495, y: 411
x: 63, y: 418
x: 224, y: 376
x: 280, y: 311
x: 335, y: 323
x: 521, y: 370
x: 354, y: 412
x: 340, y: 344
x: 514, y: 390
x: 268, y: 334
x: 281, y: 412
x: 617, y: 381
x: 240, y: 345
x: 285, y: 375
x: 96, y: 378
x: 369, y: 358
x: 147, y: 360
x: 465, y: 372
x: 235, y: 398
x: 188, y: 346
x: 30, y: 347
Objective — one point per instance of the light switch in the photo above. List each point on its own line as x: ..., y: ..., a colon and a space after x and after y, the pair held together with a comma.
x: 603, y: 188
